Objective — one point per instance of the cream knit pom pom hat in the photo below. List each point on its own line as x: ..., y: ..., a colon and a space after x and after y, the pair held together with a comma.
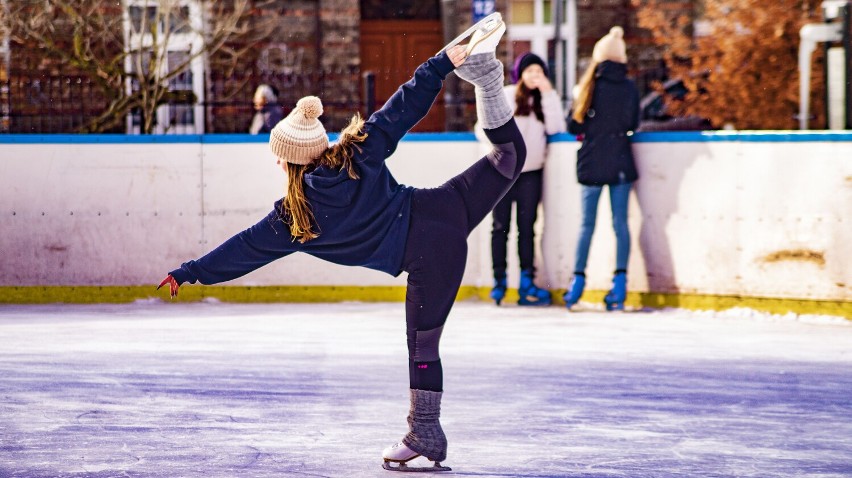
x: 300, y: 137
x: 611, y: 47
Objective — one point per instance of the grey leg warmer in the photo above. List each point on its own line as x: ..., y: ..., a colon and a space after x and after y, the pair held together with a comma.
x: 485, y: 72
x: 425, y: 435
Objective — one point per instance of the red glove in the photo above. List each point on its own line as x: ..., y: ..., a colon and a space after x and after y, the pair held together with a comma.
x: 173, y: 285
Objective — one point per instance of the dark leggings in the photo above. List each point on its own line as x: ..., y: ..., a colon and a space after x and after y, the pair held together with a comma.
x: 526, y: 194
x: 436, y: 249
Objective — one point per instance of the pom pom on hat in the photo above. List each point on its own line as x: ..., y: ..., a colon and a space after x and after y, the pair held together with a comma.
x: 611, y: 47
x: 300, y: 138
x: 523, y: 62
x: 310, y: 106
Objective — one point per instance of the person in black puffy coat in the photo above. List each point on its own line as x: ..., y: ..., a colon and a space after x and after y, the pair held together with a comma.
x: 605, y: 114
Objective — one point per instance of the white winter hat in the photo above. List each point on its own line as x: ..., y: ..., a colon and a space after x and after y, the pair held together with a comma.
x: 611, y: 47
x: 300, y: 138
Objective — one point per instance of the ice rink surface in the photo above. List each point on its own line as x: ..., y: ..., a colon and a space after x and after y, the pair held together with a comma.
x: 160, y: 389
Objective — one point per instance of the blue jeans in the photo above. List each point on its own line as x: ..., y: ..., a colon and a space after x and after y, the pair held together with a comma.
x: 618, y: 196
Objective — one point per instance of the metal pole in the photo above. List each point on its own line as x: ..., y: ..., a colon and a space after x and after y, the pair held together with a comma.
x: 320, y: 74
x: 5, y: 76
x: 826, y: 107
x: 846, y: 18
x: 453, y: 109
x: 572, y: 50
x: 369, y: 93
x: 559, y: 48
x: 5, y: 46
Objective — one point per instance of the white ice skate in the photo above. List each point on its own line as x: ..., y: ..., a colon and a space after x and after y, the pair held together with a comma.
x: 484, y: 35
x: 401, y: 455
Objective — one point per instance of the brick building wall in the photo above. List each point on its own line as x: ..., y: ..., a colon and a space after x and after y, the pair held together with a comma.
x: 313, y: 51
x: 44, y: 94
x: 341, y: 92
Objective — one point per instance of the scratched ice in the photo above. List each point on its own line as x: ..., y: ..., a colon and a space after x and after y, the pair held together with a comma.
x: 157, y: 389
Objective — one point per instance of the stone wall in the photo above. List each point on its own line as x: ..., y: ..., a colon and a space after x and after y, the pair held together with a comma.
x: 340, y: 60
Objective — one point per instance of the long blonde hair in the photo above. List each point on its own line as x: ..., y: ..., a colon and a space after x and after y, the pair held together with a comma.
x: 295, y: 209
x: 585, y: 91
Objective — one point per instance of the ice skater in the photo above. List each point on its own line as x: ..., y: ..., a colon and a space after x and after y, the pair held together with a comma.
x: 343, y: 205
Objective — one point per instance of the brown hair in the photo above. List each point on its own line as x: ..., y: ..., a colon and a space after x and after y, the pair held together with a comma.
x: 522, y: 100
x: 295, y: 209
x: 586, y: 88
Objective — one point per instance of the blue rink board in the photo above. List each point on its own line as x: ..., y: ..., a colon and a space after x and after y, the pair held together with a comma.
x: 649, y: 137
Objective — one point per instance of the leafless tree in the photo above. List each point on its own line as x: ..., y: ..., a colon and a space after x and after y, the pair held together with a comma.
x: 123, y: 47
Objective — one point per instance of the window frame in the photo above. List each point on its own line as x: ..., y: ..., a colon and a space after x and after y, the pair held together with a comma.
x: 539, y: 34
x: 179, y: 42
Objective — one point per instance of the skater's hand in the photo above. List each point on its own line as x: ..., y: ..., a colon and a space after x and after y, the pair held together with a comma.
x: 173, y: 285
x: 456, y: 55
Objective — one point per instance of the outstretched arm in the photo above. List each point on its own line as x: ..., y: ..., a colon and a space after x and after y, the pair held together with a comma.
x: 247, y: 251
x: 576, y: 128
x: 634, y: 110
x: 412, y: 100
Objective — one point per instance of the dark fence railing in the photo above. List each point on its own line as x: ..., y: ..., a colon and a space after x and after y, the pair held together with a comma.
x: 65, y: 104
x: 228, y: 106
x: 51, y: 104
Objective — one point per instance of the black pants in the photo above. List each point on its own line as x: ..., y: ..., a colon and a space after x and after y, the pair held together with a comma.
x: 526, y: 194
x: 436, y: 249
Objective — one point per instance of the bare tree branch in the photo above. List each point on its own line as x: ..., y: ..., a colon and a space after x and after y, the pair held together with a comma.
x: 90, y: 36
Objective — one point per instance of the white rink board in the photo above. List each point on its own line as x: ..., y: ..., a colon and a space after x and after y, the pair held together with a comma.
x: 738, y: 215
x: 97, y: 214
x: 726, y: 217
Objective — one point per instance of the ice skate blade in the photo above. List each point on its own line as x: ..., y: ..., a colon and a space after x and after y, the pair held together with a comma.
x: 480, y: 36
x: 589, y: 307
x: 534, y: 301
x: 401, y: 466
x: 530, y: 303
x: 493, y: 23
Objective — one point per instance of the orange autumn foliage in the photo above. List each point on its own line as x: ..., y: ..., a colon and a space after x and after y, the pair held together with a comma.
x: 739, y: 60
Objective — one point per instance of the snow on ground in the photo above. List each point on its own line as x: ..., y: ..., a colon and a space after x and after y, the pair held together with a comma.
x: 157, y: 389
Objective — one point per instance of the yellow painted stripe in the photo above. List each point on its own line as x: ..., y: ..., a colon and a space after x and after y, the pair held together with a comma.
x: 119, y: 294
x: 655, y: 300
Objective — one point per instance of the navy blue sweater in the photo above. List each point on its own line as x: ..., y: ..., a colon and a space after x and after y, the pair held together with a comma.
x: 361, y: 222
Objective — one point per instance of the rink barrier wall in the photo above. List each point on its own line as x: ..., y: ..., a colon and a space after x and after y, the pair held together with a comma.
x: 719, y: 219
